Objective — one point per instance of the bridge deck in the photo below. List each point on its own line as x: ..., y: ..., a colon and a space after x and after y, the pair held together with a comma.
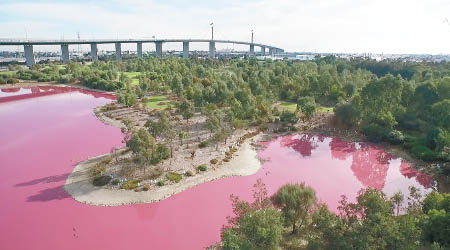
x: 105, y: 41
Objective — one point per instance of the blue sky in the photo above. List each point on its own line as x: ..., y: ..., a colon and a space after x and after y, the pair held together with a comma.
x: 382, y: 26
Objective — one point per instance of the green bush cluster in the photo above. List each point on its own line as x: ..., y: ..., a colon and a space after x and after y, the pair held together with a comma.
x: 130, y: 184
x: 8, y: 79
x: 101, y: 180
x: 203, y: 144
x: 174, y: 177
x: 202, y: 168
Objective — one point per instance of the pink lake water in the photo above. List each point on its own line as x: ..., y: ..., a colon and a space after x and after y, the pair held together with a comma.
x: 44, y: 132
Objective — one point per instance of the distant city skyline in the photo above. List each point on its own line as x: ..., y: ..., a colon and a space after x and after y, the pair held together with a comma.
x: 340, y: 26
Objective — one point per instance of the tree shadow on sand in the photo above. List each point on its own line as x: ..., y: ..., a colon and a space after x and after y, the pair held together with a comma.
x: 57, y: 192
x: 49, y: 194
x: 48, y: 179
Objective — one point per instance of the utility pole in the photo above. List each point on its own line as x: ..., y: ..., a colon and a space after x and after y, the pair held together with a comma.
x: 79, y: 45
x: 212, y: 30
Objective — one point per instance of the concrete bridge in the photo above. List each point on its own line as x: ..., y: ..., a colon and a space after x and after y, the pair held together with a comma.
x: 30, y: 60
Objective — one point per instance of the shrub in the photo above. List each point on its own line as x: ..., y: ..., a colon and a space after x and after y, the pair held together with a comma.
x: 424, y: 153
x: 289, y: 117
x: 115, y: 182
x: 162, y: 153
x: 97, y: 169
x: 203, y: 144
x: 174, y: 177
x: 109, y: 107
x: 189, y: 173
x: 130, y: 184
x: 410, y: 141
x: 146, y: 188
x: 160, y: 183
x: 101, y: 180
x: 409, y: 121
x: 347, y: 114
x: 395, y: 137
x: 375, y: 133
x: 213, y: 161
x: 202, y: 168
x: 431, y: 137
x: 226, y: 160
x: 258, y: 229
x: 239, y: 124
x: 155, y: 173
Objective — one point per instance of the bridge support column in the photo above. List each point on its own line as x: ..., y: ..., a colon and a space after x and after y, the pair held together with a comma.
x: 212, y: 49
x: 158, y: 49
x: 263, y: 50
x: 252, y: 49
x: 119, y: 52
x: 29, y: 55
x: 65, y: 53
x: 94, y: 56
x: 139, y: 49
x: 270, y: 51
x: 185, y: 49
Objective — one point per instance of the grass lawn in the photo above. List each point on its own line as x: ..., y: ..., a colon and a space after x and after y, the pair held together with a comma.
x: 326, y: 110
x: 154, y: 102
x: 6, y: 73
x: 132, y: 74
x: 134, y: 77
x: 289, y: 106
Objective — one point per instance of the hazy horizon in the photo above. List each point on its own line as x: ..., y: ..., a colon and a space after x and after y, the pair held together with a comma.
x: 342, y: 26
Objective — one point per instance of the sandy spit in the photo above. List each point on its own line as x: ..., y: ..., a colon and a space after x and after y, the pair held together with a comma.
x: 79, y: 184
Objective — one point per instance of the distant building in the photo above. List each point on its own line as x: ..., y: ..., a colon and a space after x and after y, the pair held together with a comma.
x: 304, y: 57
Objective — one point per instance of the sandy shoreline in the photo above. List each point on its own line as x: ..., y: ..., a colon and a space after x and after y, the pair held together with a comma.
x: 79, y: 184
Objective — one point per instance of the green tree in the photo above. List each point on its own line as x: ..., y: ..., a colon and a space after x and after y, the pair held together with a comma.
x: 441, y: 113
x: 380, y: 100
x: 162, y: 126
x: 397, y: 200
x: 296, y: 202
x: 307, y: 105
x: 289, y: 117
x: 187, y: 110
x: 437, y: 227
x: 260, y: 229
x: 349, y: 89
x: 347, y: 114
x: 142, y: 144
x: 255, y: 225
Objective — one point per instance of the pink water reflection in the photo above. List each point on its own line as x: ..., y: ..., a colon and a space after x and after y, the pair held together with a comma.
x: 44, y: 136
